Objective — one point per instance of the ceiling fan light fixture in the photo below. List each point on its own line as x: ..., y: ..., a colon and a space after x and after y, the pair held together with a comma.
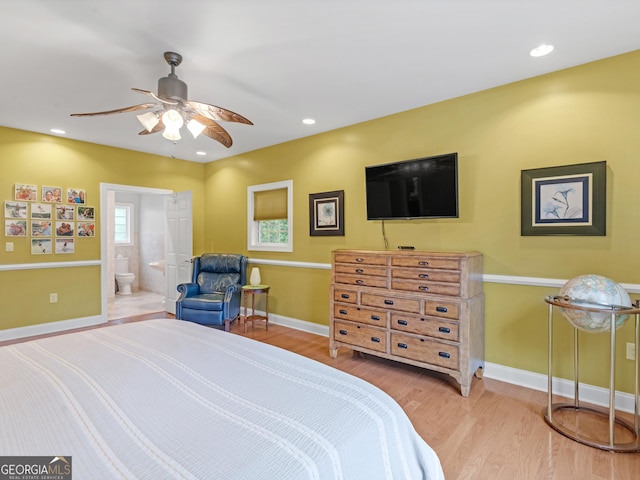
x: 148, y: 120
x: 172, y: 119
x: 172, y: 134
x: 195, y: 127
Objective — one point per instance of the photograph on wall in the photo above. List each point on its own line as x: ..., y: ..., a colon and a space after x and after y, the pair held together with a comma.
x: 15, y: 228
x: 326, y: 213
x: 26, y: 192
x: 65, y: 212
x: 40, y: 246
x: 86, y: 213
x: 51, y: 194
x: 13, y: 209
x: 565, y: 200
x: 86, y: 229
x: 41, y: 228
x: 65, y: 245
x: 64, y: 229
x: 41, y: 211
x: 76, y: 195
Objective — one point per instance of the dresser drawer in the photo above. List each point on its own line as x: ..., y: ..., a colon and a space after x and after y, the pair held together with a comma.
x: 358, y: 314
x: 347, y: 296
x: 361, y: 258
x: 418, y: 261
x: 361, y: 280
x: 391, y: 302
x: 422, y: 274
x: 360, y: 335
x: 438, y: 288
x: 425, y: 350
x: 431, y: 326
x: 442, y: 309
x: 353, y: 269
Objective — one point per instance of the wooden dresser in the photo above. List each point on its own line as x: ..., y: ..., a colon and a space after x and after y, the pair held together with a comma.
x: 421, y: 308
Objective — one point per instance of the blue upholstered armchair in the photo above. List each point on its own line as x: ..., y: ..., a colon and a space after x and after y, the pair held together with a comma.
x: 213, y: 296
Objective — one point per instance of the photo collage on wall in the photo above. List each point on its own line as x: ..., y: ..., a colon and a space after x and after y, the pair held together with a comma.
x: 51, y: 219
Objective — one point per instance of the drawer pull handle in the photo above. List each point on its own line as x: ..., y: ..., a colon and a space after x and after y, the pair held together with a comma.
x: 424, y: 264
x: 360, y: 282
x: 375, y: 317
x: 388, y: 302
x: 375, y: 339
x: 444, y: 330
x: 343, y: 332
x: 423, y: 288
x: 359, y: 270
x: 343, y: 312
x: 441, y: 309
x: 403, y: 322
x: 345, y: 295
x: 444, y: 354
x: 359, y: 259
x: 403, y: 345
x: 423, y: 275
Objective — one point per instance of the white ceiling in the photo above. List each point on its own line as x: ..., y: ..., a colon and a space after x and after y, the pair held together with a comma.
x: 279, y: 61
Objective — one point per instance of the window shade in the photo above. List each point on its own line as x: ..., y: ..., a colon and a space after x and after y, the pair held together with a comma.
x: 270, y: 204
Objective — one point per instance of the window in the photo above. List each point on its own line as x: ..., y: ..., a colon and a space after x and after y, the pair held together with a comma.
x: 270, y: 217
x: 123, y: 223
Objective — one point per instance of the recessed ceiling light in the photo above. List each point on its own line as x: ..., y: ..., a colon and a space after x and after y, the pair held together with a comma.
x: 541, y: 50
x: 58, y: 131
x: 308, y: 121
x: 201, y: 153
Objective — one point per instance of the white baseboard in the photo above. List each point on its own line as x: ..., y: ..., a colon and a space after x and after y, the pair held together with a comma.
x: 535, y: 381
x: 52, y: 327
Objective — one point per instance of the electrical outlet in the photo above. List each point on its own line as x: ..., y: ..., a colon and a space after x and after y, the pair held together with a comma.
x: 8, y: 247
x: 53, y: 298
x: 631, y: 351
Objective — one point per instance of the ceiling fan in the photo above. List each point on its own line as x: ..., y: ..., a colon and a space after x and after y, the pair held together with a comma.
x: 173, y: 110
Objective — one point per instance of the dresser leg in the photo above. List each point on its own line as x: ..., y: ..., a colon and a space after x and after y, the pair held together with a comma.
x: 464, y: 390
x: 333, y: 352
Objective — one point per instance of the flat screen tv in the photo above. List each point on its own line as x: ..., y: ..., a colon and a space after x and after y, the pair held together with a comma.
x: 420, y: 188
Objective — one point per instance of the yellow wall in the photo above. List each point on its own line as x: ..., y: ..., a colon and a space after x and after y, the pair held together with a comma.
x: 584, y: 114
x: 47, y: 160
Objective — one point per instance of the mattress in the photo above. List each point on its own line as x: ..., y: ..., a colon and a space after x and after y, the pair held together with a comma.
x: 165, y: 399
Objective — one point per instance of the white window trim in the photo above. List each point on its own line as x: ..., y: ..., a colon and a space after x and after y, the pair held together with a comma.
x: 252, y: 226
x: 130, y: 224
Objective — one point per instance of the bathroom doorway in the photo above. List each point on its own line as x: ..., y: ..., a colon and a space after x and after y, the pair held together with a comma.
x: 146, y: 252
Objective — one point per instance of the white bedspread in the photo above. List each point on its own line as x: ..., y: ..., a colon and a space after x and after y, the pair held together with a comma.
x: 165, y: 399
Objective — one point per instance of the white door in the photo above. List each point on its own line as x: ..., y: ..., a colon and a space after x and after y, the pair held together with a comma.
x: 178, y: 245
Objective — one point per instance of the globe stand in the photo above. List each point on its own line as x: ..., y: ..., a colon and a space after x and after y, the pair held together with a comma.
x: 614, y: 310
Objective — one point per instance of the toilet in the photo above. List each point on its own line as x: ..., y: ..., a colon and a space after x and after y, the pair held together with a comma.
x: 123, y: 276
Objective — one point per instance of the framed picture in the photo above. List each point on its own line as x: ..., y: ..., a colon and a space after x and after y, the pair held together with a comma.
x: 64, y: 229
x: 15, y: 209
x: 565, y: 200
x: 65, y: 245
x: 51, y: 194
x: 326, y: 213
x: 15, y: 228
x: 65, y: 212
x: 40, y: 246
x: 41, y: 228
x: 86, y: 213
x: 41, y: 211
x: 76, y: 195
x: 25, y: 192
x: 86, y: 229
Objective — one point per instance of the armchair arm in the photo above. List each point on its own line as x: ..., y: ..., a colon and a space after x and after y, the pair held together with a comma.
x: 231, y: 289
x: 187, y: 290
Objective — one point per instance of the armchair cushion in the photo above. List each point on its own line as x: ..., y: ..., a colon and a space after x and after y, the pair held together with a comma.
x: 213, y: 296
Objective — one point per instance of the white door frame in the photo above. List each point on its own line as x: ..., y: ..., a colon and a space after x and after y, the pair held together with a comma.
x: 104, y: 241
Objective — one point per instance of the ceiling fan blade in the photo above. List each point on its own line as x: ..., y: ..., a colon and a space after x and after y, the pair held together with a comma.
x: 154, y: 96
x: 219, y: 134
x: 133, y: 108
x: 218, y: 113
x: 158, y: 128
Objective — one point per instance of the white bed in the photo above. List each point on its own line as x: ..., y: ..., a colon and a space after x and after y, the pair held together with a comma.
x: 165, y: 399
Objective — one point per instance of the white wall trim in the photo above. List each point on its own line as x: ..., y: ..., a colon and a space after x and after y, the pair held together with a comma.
x: 36, y: 266
x: 51, y: 327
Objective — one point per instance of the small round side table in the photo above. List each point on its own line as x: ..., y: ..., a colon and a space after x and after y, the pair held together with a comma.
x: 252, y: 291
x: 569, y: 431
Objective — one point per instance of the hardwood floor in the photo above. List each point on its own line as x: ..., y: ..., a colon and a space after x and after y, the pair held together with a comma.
x: 497, y: 433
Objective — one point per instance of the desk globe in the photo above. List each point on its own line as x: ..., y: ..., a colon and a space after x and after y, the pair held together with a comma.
x: 594, y: 291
